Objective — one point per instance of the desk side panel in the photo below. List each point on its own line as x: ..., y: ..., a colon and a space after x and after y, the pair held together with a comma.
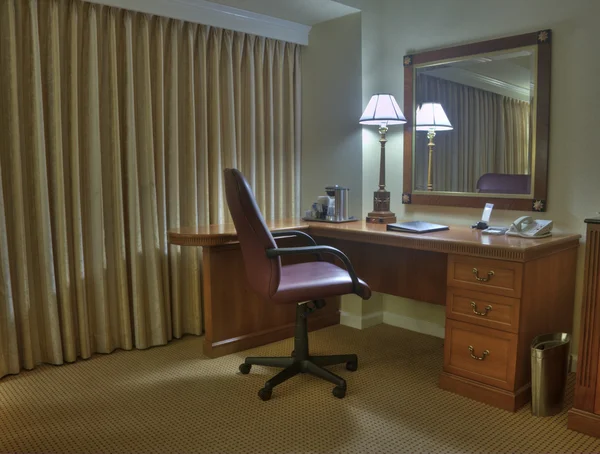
x: 547, y: 303
x: 410, y: 273
x: 236, y: 317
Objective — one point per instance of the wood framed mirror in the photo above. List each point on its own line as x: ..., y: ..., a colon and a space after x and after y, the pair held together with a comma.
x: 496, y: 96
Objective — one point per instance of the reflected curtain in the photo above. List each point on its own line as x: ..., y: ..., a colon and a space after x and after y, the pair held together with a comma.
x: 490, y: 135
x: 117, y: 126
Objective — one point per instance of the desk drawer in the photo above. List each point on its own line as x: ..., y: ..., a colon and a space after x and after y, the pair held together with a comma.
x: 485, y: 275
x: 481, y: 354
x: 485, y: 309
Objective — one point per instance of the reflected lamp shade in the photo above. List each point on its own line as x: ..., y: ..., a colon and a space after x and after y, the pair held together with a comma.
x: 431, y: 117
x: 382, y: 110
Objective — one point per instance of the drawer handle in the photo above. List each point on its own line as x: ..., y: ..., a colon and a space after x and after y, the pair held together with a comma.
x: 482, y: 279
x: 483, y: 314
x: 478, y: 358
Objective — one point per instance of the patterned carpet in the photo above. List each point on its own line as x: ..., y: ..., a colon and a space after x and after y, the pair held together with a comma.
x: 173, y: 399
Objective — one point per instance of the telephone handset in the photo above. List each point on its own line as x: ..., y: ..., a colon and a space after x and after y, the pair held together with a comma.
x: 526, y: 227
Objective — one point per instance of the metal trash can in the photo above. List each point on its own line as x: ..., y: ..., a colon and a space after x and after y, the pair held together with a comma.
x: 549, y: 368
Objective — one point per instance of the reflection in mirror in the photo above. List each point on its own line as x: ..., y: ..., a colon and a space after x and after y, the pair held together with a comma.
x: 489, y: 100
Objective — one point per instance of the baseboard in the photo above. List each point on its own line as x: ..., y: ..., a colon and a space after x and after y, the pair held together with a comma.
x: 361, y: 321
x: 413, y: 324
x: 376, y: 318
x: 584, y: 422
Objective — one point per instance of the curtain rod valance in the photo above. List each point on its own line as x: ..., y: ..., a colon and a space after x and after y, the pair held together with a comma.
x: 220, y: 16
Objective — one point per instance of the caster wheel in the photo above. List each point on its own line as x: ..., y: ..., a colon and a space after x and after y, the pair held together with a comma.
x: 339, y: 392
x: 352, y: 365
x: 265, y: 394
x: 245, y: 368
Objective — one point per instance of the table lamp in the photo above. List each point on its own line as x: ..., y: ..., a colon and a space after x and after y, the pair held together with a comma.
x: 382, y: 110
x: 431, y: 118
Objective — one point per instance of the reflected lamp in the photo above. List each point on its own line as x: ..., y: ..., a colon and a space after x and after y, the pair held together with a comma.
x: 431, y: 118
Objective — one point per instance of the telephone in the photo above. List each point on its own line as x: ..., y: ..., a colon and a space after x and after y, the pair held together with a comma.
x: 526, y: 227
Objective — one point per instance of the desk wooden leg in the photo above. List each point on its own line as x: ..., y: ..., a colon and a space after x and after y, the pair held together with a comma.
x: 207, y: 300
x: 235, y: 318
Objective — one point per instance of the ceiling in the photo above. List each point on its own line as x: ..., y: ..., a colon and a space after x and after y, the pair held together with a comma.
x: 307, y: 12
x: 507, y: 73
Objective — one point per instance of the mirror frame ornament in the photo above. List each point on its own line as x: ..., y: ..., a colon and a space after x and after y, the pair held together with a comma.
x: 542, y: 39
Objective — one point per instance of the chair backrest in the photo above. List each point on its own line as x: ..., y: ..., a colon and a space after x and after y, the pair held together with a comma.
x: 502, y: 183
x: 255, y: 238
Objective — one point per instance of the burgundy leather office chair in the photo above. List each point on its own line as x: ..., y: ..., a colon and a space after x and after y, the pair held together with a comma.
x: 307, y: 283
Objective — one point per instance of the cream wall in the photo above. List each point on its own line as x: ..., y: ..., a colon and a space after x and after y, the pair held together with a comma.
x: 574, y: 186
x: 331, y: 106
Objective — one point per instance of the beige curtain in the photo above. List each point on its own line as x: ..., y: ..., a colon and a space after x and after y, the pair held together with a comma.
x: 517, y: 142
x: 490, y: 135
x: 116, y: 127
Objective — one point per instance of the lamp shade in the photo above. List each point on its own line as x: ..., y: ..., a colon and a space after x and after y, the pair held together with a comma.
x: 382, y: 109
x: 431, y: 117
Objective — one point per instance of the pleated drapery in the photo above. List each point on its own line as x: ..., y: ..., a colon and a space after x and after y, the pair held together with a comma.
x: 116, y: 127
x: 490, y: 135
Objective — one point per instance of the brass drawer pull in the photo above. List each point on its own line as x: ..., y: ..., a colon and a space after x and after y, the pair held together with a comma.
x: 482, y: 279
x: 483, y: 314
x: 478, y: 358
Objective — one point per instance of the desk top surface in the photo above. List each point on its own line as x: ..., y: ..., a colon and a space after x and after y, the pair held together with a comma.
x: 459, y: 239
x: 217, y: 234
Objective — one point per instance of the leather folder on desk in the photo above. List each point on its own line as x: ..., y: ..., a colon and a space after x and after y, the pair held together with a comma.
x: 416, y: 227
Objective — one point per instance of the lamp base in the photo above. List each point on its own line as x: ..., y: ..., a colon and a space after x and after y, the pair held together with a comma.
x: 381, y: 217
x: 381, y: 213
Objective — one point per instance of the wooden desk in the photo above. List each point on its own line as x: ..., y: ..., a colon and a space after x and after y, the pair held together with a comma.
x: 500, y: 292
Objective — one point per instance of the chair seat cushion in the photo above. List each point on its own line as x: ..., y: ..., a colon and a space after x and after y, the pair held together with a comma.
x: 315, y: 280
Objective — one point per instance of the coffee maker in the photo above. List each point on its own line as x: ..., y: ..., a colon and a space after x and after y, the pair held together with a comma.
x: 332, y: 207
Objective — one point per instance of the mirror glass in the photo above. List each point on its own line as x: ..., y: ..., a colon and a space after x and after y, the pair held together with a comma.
x: 489, y: 100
